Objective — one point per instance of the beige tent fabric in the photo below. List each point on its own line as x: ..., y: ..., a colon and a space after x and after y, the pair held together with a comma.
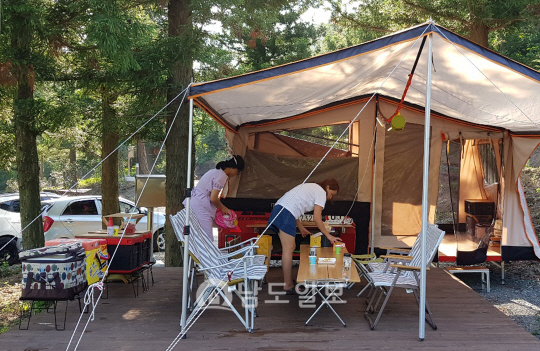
x: 367, y: 125
x: 240, y: 140
x: 371, y: 184
x: 402, y: 235
x: 517, y: 224
x: 471, y: 179
x: 402, y: 181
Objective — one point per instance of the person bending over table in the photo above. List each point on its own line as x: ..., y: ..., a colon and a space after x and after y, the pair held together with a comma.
x: 297, y: 201
x: 205, y: 196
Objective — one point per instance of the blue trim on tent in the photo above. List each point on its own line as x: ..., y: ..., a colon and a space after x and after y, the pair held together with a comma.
x: 487, y: 53
x: 309, y: 63
x: 376, y: 44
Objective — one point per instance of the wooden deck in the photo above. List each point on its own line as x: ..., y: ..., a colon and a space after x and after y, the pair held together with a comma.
x: 151, y: 321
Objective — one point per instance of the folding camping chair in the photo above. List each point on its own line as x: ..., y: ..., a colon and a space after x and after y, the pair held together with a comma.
x: 403, y: 274
x: 221, y: 273
x: 370, y: 263
x: 245, y: 247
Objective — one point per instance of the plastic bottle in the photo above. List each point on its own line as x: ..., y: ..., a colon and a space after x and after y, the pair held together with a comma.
x: 110, y: 227
x: 347, y: 263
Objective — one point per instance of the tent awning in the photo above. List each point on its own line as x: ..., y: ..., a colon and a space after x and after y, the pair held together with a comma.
x: 469, y: 83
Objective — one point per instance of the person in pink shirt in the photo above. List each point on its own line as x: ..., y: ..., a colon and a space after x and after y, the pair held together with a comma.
x: 205, y: 196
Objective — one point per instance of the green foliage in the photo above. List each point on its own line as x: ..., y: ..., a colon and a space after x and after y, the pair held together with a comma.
x: 267, y: 35
x: 90, y: 182
x: 521, y: 43
x: 462, y: 16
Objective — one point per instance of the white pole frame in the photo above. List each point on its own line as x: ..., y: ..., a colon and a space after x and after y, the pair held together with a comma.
x: 425, y: 186
x: 186, y: 237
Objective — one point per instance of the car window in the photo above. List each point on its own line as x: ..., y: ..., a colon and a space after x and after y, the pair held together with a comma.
x: 127, y: 208
x: 5, y: 206
x: 84, y: 207
x: 15, y: 206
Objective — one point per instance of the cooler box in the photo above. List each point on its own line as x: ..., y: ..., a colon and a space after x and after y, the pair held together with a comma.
x: 97, y: 257
x: 133, y: 251
x: 54, y: 272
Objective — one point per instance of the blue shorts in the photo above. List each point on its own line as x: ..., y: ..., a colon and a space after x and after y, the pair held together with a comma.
x: 285, y: 221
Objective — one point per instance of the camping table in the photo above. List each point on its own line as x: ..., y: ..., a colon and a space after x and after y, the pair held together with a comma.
x: 327, y: 278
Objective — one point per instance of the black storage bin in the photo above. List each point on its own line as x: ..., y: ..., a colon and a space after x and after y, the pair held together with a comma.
x: 479, y: 207
x: 126, y: 259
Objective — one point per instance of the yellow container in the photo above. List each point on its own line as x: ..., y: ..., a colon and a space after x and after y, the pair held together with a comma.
x: 265, y: 247
x: 315, y: 240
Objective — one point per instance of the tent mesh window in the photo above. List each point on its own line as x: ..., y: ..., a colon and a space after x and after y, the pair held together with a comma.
x: 324, y: 135
x: 489, y: 164
x: 448, y: 197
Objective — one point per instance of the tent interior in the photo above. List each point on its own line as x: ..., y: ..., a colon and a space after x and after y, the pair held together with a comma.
x: 484, y: 126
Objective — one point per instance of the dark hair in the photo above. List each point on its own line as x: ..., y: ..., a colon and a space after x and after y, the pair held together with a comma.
x: 236, y: 161
x: 331, y: 183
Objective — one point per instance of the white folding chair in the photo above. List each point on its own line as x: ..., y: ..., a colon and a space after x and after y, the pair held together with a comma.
x: 401, y: 273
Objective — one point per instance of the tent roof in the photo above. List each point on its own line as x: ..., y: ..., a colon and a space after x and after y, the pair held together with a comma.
x: 469, y: 83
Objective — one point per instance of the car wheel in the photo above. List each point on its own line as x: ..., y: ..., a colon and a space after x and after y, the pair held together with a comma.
x: 159, y: 241
x: 9, y: 253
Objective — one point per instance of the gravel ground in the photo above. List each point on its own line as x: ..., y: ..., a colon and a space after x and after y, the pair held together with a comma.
x: 518, y: 298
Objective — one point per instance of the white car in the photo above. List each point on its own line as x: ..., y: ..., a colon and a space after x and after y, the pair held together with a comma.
x: 67, y: 217
x: 10, y: 225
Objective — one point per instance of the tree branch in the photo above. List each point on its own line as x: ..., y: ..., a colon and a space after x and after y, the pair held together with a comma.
x: 506, y: 24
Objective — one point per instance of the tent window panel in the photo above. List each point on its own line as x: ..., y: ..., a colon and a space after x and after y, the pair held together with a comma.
x: 489, y: 163
x: 402, y: 181
x: 324, y: 135
x: 448, y: 196
x: 269, y: 176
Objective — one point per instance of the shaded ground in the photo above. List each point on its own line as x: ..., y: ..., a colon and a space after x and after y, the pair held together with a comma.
x: 10, y: 291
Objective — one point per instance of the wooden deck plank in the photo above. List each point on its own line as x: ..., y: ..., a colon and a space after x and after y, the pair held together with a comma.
x: 150, y: 322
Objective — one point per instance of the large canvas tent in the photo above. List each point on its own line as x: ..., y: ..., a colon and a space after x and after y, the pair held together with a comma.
x: 478, y: 97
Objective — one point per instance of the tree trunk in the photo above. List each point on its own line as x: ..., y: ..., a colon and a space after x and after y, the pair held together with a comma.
x: 25, y: 134
x: 142, y: 158
x: 180, y: 24
x: 480, y: 33
x: 72, y: 177
x: 109, y: 168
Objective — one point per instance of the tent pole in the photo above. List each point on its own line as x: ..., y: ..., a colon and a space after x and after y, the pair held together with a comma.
x: 186, y: 233
x: 373, y: 190
x: 425, y: 185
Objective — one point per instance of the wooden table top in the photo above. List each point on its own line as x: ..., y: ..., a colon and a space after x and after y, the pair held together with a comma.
x: 307, y: 272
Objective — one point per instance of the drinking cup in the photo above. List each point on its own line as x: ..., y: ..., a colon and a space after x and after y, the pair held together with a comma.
x: 312, y: 259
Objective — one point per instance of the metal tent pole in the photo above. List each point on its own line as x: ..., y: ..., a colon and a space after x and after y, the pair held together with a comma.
x: 186, y: 228
x: 373, y: 190
x: 425, y: 184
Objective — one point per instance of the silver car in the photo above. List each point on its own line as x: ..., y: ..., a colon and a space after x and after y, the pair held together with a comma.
x: 67, y: 217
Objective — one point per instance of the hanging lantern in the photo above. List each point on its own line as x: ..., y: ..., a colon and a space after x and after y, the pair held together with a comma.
x: 398, y: 122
